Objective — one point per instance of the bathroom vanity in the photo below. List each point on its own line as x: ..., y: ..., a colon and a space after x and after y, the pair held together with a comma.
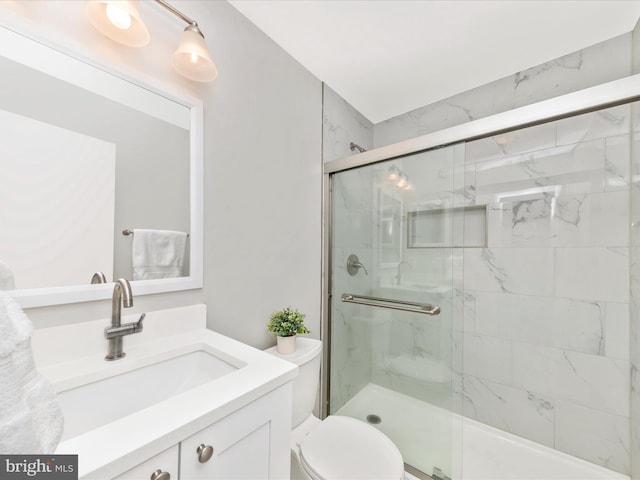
x: 184, y: 401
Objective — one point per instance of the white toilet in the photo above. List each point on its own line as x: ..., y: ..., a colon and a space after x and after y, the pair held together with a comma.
x: 338, y: 447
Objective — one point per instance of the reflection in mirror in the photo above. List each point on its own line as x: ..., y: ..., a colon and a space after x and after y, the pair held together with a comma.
x: 80, y: 165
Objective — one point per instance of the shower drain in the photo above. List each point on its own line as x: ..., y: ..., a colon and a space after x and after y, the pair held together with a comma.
x: 374, y: 419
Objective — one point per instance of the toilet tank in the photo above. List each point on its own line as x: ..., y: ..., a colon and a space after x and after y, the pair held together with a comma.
x: 305, y: 386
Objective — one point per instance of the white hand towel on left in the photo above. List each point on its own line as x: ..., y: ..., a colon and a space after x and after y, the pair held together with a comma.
x: 157, y: 253
x: 31, y: 421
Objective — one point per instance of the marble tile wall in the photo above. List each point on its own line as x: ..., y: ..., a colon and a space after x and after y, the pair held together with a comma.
x: 635, y: 307
x: 341, y: 125
x: 547, y: 354
x: 635, y: 271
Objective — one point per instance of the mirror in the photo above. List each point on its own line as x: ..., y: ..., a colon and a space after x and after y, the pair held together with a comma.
x: 84, y: 155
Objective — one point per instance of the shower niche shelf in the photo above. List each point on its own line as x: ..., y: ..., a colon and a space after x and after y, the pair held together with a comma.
x: 447, y: 227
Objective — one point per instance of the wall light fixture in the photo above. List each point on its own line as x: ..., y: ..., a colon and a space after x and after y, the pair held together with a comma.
x: 120, y: 21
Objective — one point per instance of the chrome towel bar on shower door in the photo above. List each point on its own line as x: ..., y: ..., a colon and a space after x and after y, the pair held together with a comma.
x: 393, y: 304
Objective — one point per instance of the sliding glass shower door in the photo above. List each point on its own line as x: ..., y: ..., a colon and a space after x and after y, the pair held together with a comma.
x: 396, y: 300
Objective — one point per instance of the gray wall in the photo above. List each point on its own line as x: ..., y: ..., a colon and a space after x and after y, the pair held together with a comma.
x: 262, y: 156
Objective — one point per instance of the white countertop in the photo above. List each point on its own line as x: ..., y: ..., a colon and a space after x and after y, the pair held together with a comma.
x: 118, y: 446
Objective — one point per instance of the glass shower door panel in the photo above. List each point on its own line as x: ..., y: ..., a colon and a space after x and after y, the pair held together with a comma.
x: 404, y: 220
x: 542, y: 360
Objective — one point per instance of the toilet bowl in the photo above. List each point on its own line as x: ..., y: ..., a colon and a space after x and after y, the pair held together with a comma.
x: 338, y: 447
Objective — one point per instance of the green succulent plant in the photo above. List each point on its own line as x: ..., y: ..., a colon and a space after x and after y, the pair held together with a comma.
x: 287, y: 322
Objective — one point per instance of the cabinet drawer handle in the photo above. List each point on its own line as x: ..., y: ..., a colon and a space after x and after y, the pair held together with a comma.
x: 160, y: 475
x: 205, y: 452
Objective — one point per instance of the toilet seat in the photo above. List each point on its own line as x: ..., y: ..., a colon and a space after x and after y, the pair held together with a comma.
x: 343, y: 448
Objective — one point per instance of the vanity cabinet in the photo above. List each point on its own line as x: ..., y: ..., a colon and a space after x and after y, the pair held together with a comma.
x: 166, y: 461
x: 250, y: 443
x: 239, y: 443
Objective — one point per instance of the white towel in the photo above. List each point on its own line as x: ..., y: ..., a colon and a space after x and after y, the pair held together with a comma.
x: 7, y: 281
x: 157, y: 253
x: 31, y: 421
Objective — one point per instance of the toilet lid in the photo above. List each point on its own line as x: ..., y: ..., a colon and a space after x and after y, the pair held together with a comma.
x: 345, y: 448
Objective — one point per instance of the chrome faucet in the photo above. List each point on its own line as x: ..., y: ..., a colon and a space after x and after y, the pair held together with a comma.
x: 122, y: 295
x: 98, y: 277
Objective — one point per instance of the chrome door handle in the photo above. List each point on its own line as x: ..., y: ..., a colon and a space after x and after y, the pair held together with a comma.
x: 415, y: 307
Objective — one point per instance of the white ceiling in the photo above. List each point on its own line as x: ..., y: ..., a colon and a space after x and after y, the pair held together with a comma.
x: 387, y: 57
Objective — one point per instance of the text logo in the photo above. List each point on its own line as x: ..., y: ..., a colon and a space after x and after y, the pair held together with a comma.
x: 39, y: 467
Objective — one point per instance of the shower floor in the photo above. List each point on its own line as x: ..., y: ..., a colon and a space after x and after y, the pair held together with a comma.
x: 417, y: 429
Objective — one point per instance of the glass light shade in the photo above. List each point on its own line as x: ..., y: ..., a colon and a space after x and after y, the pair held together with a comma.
x: 119, y: 20
x: 192, y: 59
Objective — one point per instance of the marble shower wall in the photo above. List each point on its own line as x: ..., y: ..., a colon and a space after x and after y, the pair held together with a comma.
x: 341, y: 125
x: 546, y: 353
x: 635, y: 271
x: 635, y: 298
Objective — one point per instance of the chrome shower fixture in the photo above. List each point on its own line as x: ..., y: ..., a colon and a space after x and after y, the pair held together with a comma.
x: 355, y: 146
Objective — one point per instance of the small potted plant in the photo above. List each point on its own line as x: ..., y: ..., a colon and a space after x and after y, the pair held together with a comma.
x: 285, y: 324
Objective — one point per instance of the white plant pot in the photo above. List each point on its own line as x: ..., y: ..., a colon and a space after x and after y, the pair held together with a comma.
x: 286, y: 345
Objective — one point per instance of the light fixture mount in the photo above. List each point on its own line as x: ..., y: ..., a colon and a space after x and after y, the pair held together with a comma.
x: 195, y: 29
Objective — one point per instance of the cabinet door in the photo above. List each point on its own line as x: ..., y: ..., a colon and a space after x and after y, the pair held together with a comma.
x: 166, y: 461
x: 251, y: 443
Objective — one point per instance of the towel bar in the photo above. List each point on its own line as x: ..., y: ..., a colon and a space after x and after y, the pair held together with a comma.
x: 127, y: 232
x: 393, y: 304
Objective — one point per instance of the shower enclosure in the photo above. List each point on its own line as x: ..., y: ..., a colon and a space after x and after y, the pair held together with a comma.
x: 517, y: 228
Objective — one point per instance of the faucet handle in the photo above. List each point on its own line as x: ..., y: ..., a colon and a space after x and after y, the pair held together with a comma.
x: 354, y: 264
x: 137, y: 327
x: 126, y: 329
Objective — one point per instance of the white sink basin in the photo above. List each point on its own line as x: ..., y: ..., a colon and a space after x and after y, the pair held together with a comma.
x: 95, y: 404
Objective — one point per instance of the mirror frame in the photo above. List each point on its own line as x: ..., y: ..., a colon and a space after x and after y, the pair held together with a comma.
x: 110, y: 81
